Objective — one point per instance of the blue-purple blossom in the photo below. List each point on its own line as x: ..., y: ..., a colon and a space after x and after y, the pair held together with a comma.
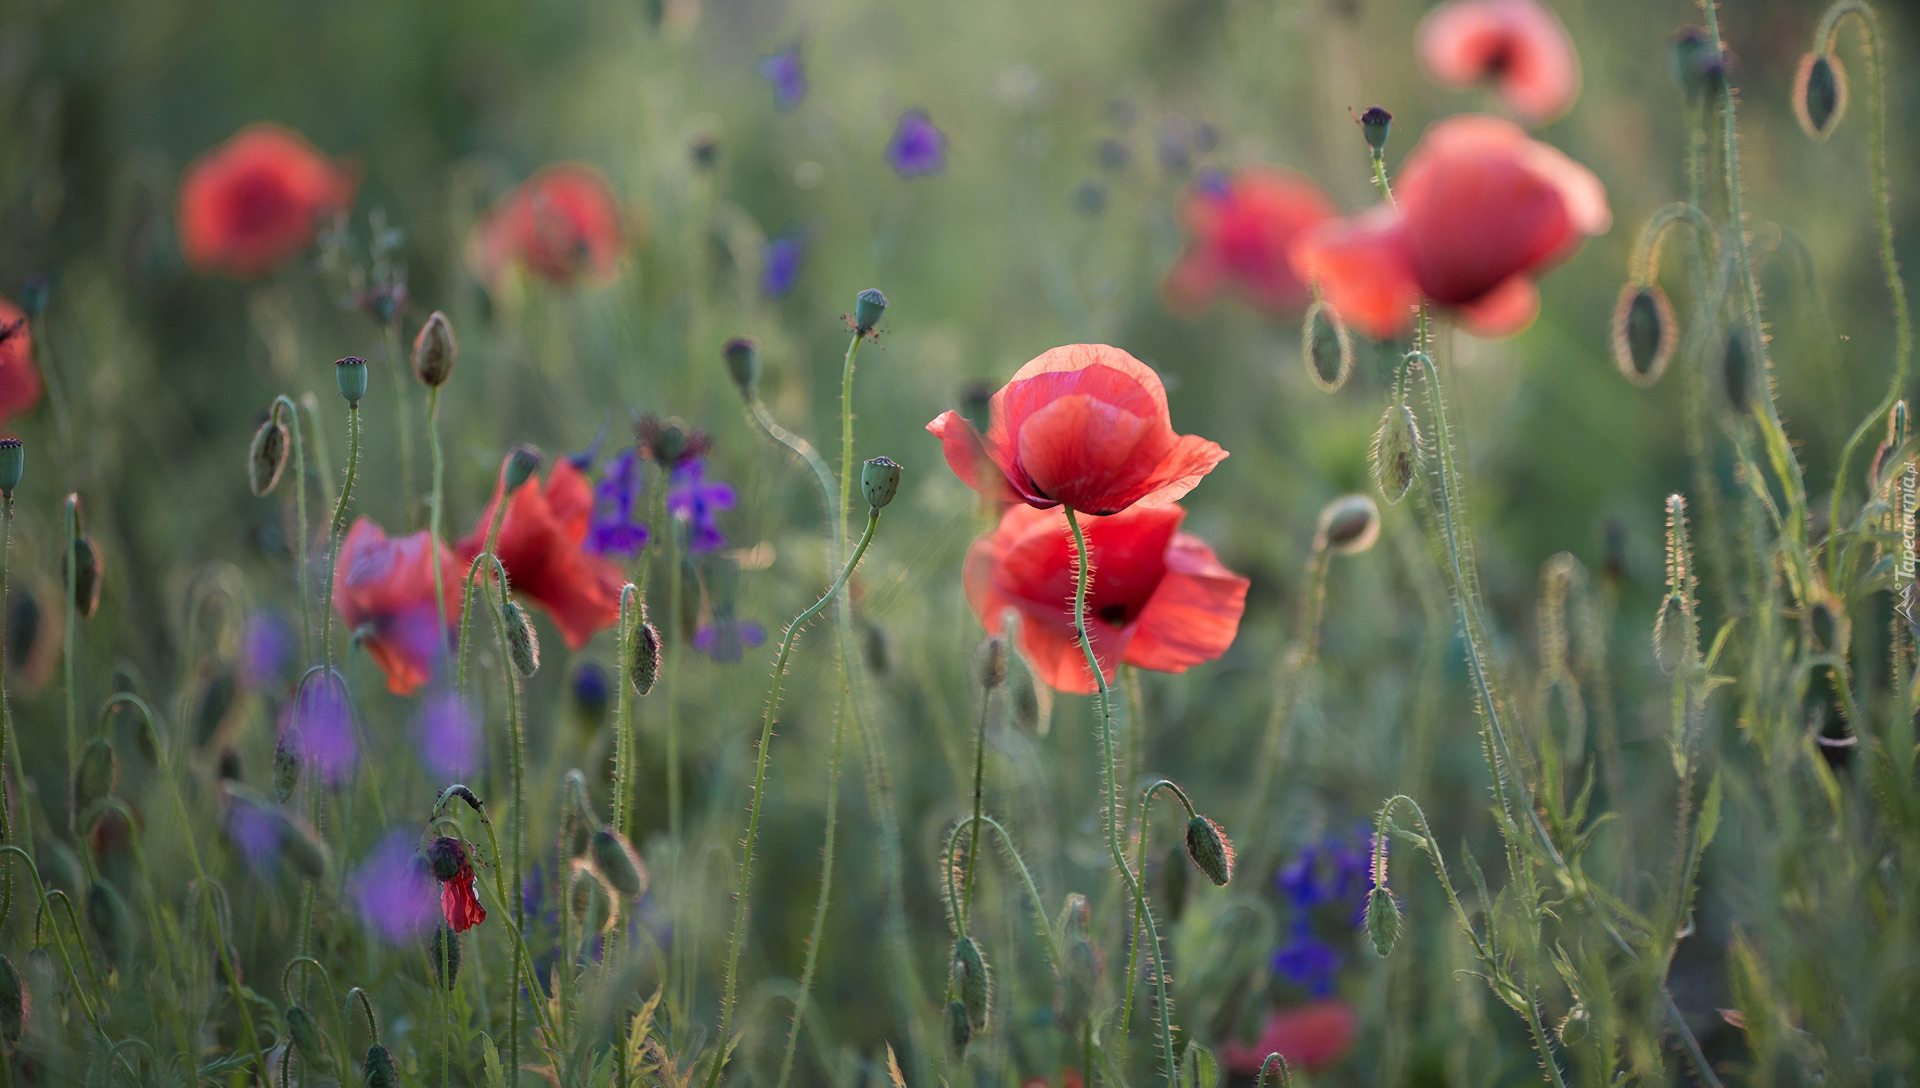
x: 727, y: 638
x: 789, y: 80
x: 394, y: 891
x: 265, y: 648
x: 780, y: 261
x: 613, y: 530
x: 256, y: 832
x: 591, y: 687
x: 1300, y: 880
x: 448, y: 734
x: 1306, y: 961
x: 917, y: 146
x: 318, y: 723
x: 696, y: 502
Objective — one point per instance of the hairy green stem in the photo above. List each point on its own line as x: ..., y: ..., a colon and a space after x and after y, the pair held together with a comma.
x: 339, y: 526
x: 435, y: 516
x: 72, y: 565
x: 300, y: 520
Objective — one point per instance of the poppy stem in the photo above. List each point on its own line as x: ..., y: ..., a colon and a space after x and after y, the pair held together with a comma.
x: 623, y: 719
x: 59, y: 942
x: 1047, y: 936
x: 721, y: 1041
x: 979, y: 782
x: 292, y: 418
x: 1083, y: 577
x: 390, y: 332
x: 72, y: 564
x: 1140, y: 862
x: 9, y: 750
x: 339, y: 524
x: 517, y: 760
x: 434, y: 518
x: 1284, y: 1080
x: 466, y: 603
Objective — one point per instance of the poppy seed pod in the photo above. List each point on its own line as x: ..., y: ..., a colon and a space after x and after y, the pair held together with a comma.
x: 443, y: 950
x: 613, y: 855
x: 1348, y: 524
x: 13, y: 463
x: 880, y: 481
x: 16, y: 1003
x: 1819, y: 94
x: 434, y: 351
x: 1396, y: 453
x: 1644, y: 333
x: 1375, y: 124
x: 643, y: 658
x: 1383, y: 920
x: 96, y: 775
x: 742, y: 356
x: 378, y: 1070
x: 87, y: 574
x: 523, y: 643
x: 350, y: 374
x: 522, y: 462
x: 266, y: 457
x: 974, y: 982
x: 868, y: 305
x: 1327, y: 347
x: 308, y: 1041
x: 1210, y: 850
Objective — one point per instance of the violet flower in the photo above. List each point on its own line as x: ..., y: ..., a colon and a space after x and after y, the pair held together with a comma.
x: 697, y: 502
x: 917, y: 146
x: 394, y: 891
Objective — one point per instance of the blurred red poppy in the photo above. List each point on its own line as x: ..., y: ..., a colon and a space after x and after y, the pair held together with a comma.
x: 563, y: 224
x: 1482, y: 209
x: 1239, y: 230
x: 1160, y: 598
x: 257, y: 200
x: 1311, y: 1037
x: 1084, y: 425
x: 539, y: 543
x: 460, y: 903
x: 1517, y: 44
x: 1069, y: 1078
x: 386, y: 586
x: 19, y: 376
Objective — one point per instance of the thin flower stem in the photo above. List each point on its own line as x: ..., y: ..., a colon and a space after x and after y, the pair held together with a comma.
x: 671, y: 651
x: 759, y: 796
x: 1284, y: 1080
x: 339, y: 525
x: 322, y: 459
x: 72, y: 565
x: 816, y: 934
x: 1140, y: 862
x: 434, y: 519
x: 300, y: 521
x: 1047, y: 936
x: 623, y: 717
x: 466, y: 603
x: 9, y: 750
x: 523, y: 958
x: 390, y: 332
x: 1083, y: 576
x: 1288, y: 685
x: 59, y: 942
x: 979, y: 782
x: 517, y: 759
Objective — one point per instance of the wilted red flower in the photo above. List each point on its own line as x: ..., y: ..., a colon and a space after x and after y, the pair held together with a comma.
x: 1481, y: 210
x: 447, y: 859
x: 387, y: 585
x: 1239, y: 231
x: 563, y: 224
x: 19, y: 376
x: 256, y: 200
x: 1160, y: 599
x: 540, y: 540
x: 1517, y: 44
x: 1311, y: 1037
x: 1084, y: 425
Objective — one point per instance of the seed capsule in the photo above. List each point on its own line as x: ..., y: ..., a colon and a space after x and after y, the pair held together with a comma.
x: 974, y: 982
x: 867, y: 308
x: 1644, y: 333
x: 880, y: 481
x: 350, y: 374
x: 434, y: 351
x: 266, y: 457
x: 1396, y: 453
x: 1819, y: 94
x: 1326, y: 346
x: 1383, y: 920
x: 522, y: 462
x: 743, y: 363
x: 643, y: 659
x: 614, y: 856
x: 1375, y: 124
x: 523, y: 643
x: 1210, y: 850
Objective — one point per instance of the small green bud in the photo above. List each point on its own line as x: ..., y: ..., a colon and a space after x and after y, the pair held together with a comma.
x: 1819, y: 94
x: 286, y: 767
x: 351, y: 375
x: 522, y: 462
x: 1348, y: 525
x: 96, y: 775
x: 1396, y: 453
x: 990, y: 662
x: 1078, y: 984
x: 378, y: 1070
x: 13, y: 463
x: 1327, y: 347
x: 107, y: 914
x: 879, y: 482
x: 267, y: 456
x: 743, y: 363
x: 88, y: 570
x: 1383, y: 920
x: 1644, y: 333
x: 614, y: 856
x: 1675, y: 634
x: 973, y: 981
x: 643, y: 658
x: 867, y: 308
x: 1375, y: 124
x: 443, y: 950
x: 1576, y: 1026
x: 434, y: 351
x: 523, y: 643
x: 959, y: 1028
x: 589, y: 898
x: 16, y: 1003
x: 308, y: 1040
x: 1210, y: 850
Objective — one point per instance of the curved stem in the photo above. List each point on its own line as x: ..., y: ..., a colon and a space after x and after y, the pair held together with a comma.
x: 1026, y: 877
x: 517, y: 759
x: 466, y: 603
x: 1285, y: 1080
x: 1140, y: 862
x: 292, y: 418
x: 339, y: 525
x: 1083, y: 576
x: 59, y: 942
x: 366, y: 1006
x: 979, y: 781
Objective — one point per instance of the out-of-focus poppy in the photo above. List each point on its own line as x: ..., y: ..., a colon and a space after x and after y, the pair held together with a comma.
x: 1085, y: 426
x: 1160, y: 598
x: 563, y: 224
x: 1518, y: 45
x: 1069, y: 1078
x: 1482, y: 209
x: 540, y: 543
x: 257, y: 200
x: 1239, y: 232
x: 19, y: 376
x: 386, y: 585
x: 1311, y: 1037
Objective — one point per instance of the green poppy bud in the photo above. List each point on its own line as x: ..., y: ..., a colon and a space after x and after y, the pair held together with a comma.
x: 959, y: 1028
x: 1644, y: 333
x: 351, y: 375
x: 1819, y: 94
x: 1396, y: 453
x: 643, y: 658
x: 990, y: 662
x: 1383, y: 920
x: 1348, y: 525
x: 308, y: 1041
x: 614, y: 856
x: 1327, y: 347
x: 523, y: 643
x: 1210, y: 850
x: 443, y: 950
x: 973, y: 981
x: 88, y: 570
x: 16, y: 1003
x: 378, y: 1070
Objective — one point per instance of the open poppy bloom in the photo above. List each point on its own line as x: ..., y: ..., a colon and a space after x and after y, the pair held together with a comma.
x: 563, y: 224
x: 1482, y: 209
x: 448, y: 860
x: 540, y: 543
x: 1160, y: 598
x: 385, y: 585
x: 1085, y: 426
x: 19, y: 377
x: 1517, y: 44
x: 1239, y: 231
x: 252, y: 203
x: 1311, y: 1037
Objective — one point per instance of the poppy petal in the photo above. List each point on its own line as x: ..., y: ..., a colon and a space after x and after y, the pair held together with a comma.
x: 968, y: 460
x: 1090, y: 454
x: 1503, y: 311
x: 1194, y: 613
x: 1361, y: 267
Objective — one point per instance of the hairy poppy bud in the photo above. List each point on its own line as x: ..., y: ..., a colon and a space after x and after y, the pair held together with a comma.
x: 443, y: 950
x: 351, y: 375
x: 96, y: 775
x: 580, y: 804
x: 743, y: 363
x: 1348, y: 524
x: 523, y: 644
x: 613, y: 855
x: 434, y: 350
x: 308, y: 1041
x: 13, y: 463
x: 1575, y: 1027
x: 1175, y: 881
x: 378, y: 1069
x: 959, y: 1028
x: 643, y: 658
x: 1819, y: 94
x: 868, y: 305
x: 1210, y: 850
x: 1078, y: 983
x: 589, y: 898
x: 16, y: 1003
x: 1383, y: 920
x: 107, y: 914
x: 266, y: 457
x: 1327, y: 348
x: 1375, y: 123
x: 1644, y: 333
x: 879, y: 482
x: 87, y: 572
x: 286, y: 767
x: 972, y: 981
x: 522, y: 462
x: 1734, y: 371
x: 1675, y: 634
x: 990, y: 662
x: 1396, y: 453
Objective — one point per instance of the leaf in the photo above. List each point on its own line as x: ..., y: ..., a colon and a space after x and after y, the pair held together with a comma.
x: 490, y: 1055
x: 1709, y: 815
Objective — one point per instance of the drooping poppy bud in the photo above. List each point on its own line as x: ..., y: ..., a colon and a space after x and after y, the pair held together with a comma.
x: 286, y: 765
x: 1819, y: 94
x: 959, y: 1027
x: 614, y: 857
x: 434, y: 351
x: 1675, y: 634
x: 1396, y: 453
x: 350, y: 374
x: 1327, y: 347
x: 973, y: 981
x: 523, y: 643
x: 378, y: 1070
x: 1348, y: 524
x: 308, y: 1040
x: 446, y: 856
x: 643, y: 659
x: 1644, y: 333
x: 1210, y: 850
x: 443, y: 950
x: 1383, y: 920
x: 87, y: 574
x: 16, y: 1003
x: 880, y: 481
x: 990, y: 662
x: 266, y: 457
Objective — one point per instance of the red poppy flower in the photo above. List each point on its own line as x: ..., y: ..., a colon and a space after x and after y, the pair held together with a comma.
x: 1517, y: 44
x: 1482, y: 209
x: 19, y: 377
x: 460, y: 903
x: 386, y: 585
x: 1159, y: 600
x: 1069, y: 1078
x: 1311, y: 1037
x: 1239, y: 230
x: 257, y: 200
x: 563, y: 224
x: 540, y: 545
x: 1084, y: 425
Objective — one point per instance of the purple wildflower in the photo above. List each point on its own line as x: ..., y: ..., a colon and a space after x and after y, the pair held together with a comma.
x: 612, y: 529
x: 265, y: 648
x: 1300, y: 880
x: 394, y: 891
x: 591, y: 688
x: 696, y: 502
x: 319, y: 723
x: 1308, y: 962
x: 780, y: 261
x: 789, y: 80
x: 917, y: 147
x: 256, y: 832
x: 726, y: 638
x: 448, y: 734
